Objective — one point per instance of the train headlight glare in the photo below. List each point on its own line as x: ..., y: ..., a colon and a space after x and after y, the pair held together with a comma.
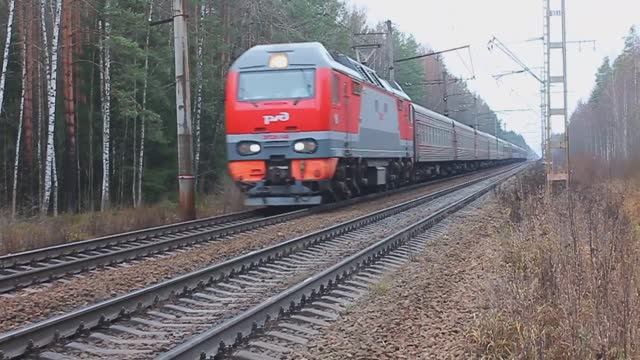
x: 248, y: 148
x: 305, y: 146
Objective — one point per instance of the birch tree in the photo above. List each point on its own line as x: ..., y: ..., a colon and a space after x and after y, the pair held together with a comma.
x: 16, y: 163
x: 7, y: 46
x: 52, y: 71
x: 199, y: 84
x: 134, y: 175
x: 40, y: 121
x: 105, y: 98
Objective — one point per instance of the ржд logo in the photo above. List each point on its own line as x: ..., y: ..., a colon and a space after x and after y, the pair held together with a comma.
x: 268, y: 119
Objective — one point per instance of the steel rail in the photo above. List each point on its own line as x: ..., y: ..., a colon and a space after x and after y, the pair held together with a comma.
x: 223, y: 338
x: 49, y: 263
x: 104, y: 258
x: 38, y: 335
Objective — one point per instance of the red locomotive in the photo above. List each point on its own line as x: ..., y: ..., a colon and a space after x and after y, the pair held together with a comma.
x: 306, y: 127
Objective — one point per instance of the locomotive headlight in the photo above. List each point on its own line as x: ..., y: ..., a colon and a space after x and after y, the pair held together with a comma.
x: 248, y: 148
x: 305, y: 146
x: 254, y: 148
x: 278, y: 61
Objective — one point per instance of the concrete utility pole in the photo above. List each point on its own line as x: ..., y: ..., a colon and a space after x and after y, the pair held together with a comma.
x: 475, y: 111
x: 186, y: 180
x: 444, y: 93
x: 366, y: 46
x: 392, y: 75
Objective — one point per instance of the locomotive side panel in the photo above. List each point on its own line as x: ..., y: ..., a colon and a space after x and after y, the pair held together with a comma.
x: 344, y: 119
x: 379, y: 135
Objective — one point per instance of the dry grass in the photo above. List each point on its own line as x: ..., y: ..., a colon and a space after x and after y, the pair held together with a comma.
x: 26, y: 234
x: 572, y: 276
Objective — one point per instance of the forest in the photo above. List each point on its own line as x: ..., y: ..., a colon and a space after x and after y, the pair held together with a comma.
x: 604, y: 131
x: 87, y: 93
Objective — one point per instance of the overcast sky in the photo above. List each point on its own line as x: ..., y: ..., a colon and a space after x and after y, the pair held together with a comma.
x: 442, y: 24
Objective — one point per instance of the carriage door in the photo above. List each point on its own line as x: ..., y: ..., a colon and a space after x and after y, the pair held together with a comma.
x: 346, y: 113
x: 338, y: 108
x: 455, y: 142
x: 475, y: 144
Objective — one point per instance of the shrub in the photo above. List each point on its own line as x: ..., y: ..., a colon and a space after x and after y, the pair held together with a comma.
x: 572, y: 277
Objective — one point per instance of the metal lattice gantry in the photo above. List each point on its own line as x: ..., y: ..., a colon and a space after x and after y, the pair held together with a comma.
x: 556, y: 122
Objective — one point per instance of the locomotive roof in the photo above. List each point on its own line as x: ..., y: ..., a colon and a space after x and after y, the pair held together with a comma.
x: 306, y: 54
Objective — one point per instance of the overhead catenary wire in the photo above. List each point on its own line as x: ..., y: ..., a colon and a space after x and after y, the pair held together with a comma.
x: 496, y: 42
x: 431, y: 54
x: 464, y: 63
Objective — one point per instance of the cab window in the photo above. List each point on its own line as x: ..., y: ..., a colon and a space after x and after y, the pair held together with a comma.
x: 276, y: 84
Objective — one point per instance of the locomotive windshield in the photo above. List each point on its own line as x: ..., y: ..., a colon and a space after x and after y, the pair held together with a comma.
x: 276, y: 84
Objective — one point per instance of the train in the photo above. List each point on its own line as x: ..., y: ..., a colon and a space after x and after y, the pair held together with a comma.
x: 306, y: 126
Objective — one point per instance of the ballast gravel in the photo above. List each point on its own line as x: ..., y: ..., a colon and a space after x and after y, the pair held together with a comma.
x: 427, y: 308
x: 44, y: 301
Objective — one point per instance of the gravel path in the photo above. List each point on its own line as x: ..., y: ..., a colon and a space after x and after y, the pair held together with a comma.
x: 59, y: 297
x: 427, y: 308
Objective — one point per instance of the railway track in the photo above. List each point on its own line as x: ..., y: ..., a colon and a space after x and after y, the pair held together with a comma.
x: 269, y: 330
x: 301, y: 324
x: 47, y: 264
x: 154, y: 320
x: 43, y: 265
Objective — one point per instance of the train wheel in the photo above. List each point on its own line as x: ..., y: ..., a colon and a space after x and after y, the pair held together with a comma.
x: 342, y: 190
x: 407, y: 176
x: 393, y: 176
x: 361, y: 173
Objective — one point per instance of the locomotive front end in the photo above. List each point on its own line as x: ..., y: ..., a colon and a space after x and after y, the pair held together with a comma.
x: 277, y: 123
